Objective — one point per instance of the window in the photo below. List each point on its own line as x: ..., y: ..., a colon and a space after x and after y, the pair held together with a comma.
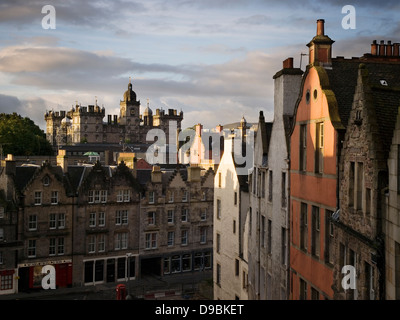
x: 234, y: 226
x: 263, y: 230
x: 303, y: 147
x: 52, y: 221
x: 204, y: 196
x: 38, y: 198
x: 102, y: 243
x: 60, y: 247
x: 184, y: 217
x: 185, y: 196
x: 171, y: 238
x: 359, y: 186
x: 54, y: 197
x: 1, y: 234
x: 263, y: 185
x: 176, y: 263
x: 52, y: 246
x: 328, y: 237
x: 6, y: 282
x: 270, y: 186
x: 151, y: 197
x: 235, y: 198
x: 31, y: 248
x: 219, y: 180
x: 319, y: 155
x: 186, y: 262
x: 184, y: 237
x: 269, y: 244
x: 32, y: 222
x: 367, y: 201
x: 97, y: 196
x: 151, y: 218
x: 203, y: 235
x: 369, y: 282
x: 284, y: 251
x: 218, y: 208
x: 1, y: 212
x: 121, y: 217
x: 121, y: 240
x: 203, y: 214
x: 236, y: 267
x: 102, y: 219
x: 92, y: 244
x: 218, y: 277
x: 351, y: 183
x: 171, y: 197
x: 314, y: 294
x: 120, y: 196
x: 61, y: 220
x: 283, y: 190
x: 303, y: 290
x: 170, y: 216
x: 218, y: 242
x: 315, y: 236
x: 303, y: 226
x: 92, y: 219
x: 103, y: 196
x: 151, y: 240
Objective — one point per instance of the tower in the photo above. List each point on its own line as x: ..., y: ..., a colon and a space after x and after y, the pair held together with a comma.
x: 129, y: 107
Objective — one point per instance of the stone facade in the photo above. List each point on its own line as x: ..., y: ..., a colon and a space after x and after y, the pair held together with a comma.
x: 98, y: 224
x: 84, y: 124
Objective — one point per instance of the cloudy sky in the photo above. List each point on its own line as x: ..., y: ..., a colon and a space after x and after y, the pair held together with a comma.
x: 212, y: 59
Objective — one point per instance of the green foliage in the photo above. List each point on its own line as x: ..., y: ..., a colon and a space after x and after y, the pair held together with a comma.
x: 22, y: 137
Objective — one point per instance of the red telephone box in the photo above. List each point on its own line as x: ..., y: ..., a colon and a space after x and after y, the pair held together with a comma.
x: 121, y: 292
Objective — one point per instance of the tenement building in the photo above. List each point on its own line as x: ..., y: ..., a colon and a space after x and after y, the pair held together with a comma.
x: 269, y: 193
x: 102, y: 223
x: 85, y: 124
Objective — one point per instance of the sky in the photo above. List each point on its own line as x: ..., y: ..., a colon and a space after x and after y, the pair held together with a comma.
x: 212, y: 59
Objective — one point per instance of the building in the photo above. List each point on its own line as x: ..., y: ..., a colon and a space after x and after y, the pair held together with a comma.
x: 269, y: 193
x: 84, y: 124
x: 231, y: 204
x: 391, y: 223
x: 364, y: 179
x: 320, y: 116
x: 103, y: 224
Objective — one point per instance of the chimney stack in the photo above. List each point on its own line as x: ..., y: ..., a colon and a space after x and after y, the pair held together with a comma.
x: 389, y: 49
x: 288, y: 63
x: 320, y: 27
x: 62, y: 160
x: 156, y: 175
x: 396, y: 49
x: 194, y: 173
x: 382, y: 48
x: 374, y: 48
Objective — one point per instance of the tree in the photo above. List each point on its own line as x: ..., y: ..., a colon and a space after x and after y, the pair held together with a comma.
x: 22, y: 137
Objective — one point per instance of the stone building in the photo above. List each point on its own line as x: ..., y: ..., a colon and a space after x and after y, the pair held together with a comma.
x: 103, y: 224
x: 391, y: 223
x: 364, y: 179
x: 84, y: 124
x: 269, y: 193
x: 231, y: 203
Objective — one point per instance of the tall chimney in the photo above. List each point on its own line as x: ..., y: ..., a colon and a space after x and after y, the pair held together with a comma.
x: 62, y: 160
x: 288, y: 63
x: 382, y: 48
x: 320, y: 27
x: 194, y: 173
x: 389, y: 48
x: 374, y: 48
x: 396, y: 49
x: 156, y: 175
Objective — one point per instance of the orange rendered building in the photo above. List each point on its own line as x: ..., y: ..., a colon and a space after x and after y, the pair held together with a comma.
x: 316, y: 136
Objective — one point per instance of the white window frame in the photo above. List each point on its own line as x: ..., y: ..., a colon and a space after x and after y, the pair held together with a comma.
x: 54, y: 197
x: 184, y: 237
x: 171, y: 216
x: 38, y: 198
x: 32, y: 222
x: 171, y: 238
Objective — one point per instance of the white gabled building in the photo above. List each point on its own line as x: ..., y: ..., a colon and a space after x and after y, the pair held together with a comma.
x: 230, y: 228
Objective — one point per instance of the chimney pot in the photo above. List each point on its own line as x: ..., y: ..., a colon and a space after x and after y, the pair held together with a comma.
x: 320, y: 27
x: 374, y: 48
x: 288, y: 63
x: 396, y: 49
x: 382, y: 48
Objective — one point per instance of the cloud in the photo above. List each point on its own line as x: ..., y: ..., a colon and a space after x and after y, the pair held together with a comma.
x: 255, y: 20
